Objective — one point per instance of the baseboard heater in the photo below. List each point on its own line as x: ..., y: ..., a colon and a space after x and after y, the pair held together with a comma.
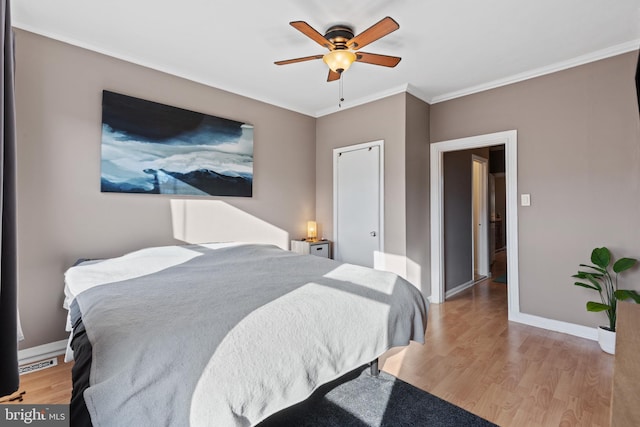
x: 38, y: 366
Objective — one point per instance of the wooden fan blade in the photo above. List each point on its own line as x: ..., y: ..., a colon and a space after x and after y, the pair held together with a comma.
x: 375, y: 59
x: 333, y: 76
x: 380, y: 29
x: 293, y: 61
x: 308, y: 31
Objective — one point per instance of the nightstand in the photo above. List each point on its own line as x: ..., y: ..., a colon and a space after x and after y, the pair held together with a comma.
x: 312, y: 247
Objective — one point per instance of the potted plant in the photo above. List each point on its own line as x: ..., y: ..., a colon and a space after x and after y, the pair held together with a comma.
x: 604, y: 279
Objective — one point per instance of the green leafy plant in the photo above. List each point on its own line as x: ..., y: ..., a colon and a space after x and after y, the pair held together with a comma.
x: 604, y: 279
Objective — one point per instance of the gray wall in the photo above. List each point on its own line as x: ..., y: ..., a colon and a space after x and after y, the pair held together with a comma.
x: 458, y: 213
x: 417, y: 190
x: 64, y: 216
x: 579, y: 158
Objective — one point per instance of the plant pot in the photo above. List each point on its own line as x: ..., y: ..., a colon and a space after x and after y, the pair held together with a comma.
x: 607, y: 340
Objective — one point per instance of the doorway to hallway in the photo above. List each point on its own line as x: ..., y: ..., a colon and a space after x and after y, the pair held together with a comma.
x: 437, y: 151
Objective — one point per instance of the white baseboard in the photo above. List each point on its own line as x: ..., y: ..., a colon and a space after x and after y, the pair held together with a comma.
x: 556, y: 325
x: 540, y: 322
x: 40, y: 352
x: 458, y: 289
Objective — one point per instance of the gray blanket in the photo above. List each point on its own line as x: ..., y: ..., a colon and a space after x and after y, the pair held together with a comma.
x: 234, y: 334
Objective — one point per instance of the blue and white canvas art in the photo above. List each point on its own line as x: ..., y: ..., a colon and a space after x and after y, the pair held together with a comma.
x: 154, y: 148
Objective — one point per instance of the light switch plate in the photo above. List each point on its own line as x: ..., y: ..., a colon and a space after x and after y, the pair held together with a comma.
x: 525, y: 199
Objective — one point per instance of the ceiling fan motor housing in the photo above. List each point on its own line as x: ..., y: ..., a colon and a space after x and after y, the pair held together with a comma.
x: 339, y: 35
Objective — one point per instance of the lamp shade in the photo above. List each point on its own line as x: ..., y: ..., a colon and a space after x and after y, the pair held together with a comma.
x: 339, y: 60
x: 312, y: 230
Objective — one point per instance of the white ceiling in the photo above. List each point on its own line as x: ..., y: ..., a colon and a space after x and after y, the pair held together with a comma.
x: 449, y: 48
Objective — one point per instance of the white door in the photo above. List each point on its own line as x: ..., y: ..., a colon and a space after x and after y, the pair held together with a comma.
x: 480, y: 216
x: 358, y: 203
x: 492, y: 220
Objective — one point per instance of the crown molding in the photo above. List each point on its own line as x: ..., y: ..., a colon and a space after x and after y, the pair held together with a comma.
x: 549, y: 69
x: 363, y: 100
x: 407, y: 87
x: 154, y: 66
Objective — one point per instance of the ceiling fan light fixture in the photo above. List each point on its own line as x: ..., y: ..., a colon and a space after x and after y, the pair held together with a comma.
x: 339, y: 60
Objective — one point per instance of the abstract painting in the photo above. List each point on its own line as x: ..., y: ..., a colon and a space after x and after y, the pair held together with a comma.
x: 154, y: 148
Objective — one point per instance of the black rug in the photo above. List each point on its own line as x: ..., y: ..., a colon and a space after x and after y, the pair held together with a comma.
x: 360, y: 400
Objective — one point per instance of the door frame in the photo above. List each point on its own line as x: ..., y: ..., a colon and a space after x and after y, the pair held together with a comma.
x: 510, y: 140
x: 336, y: 154
x: 483, y: 262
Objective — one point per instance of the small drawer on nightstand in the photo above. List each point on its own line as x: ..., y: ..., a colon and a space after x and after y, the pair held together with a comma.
x: 312, y: 247
x: 320, y: 249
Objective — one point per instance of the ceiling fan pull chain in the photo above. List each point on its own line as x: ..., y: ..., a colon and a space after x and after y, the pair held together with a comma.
x: 341, y: 96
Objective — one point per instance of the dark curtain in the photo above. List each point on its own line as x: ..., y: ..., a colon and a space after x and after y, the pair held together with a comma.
x: 9, y: 380
x: 638, y: 81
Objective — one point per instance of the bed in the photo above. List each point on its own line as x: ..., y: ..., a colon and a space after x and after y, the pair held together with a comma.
x: 224, y: 334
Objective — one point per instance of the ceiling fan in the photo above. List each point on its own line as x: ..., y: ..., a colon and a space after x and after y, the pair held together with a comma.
x: 343, y: 46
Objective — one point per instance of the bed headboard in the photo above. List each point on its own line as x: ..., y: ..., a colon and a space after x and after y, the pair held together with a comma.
x: 204, y: 221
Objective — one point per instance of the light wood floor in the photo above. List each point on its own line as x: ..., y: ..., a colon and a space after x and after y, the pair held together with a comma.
x: 510, y: 374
